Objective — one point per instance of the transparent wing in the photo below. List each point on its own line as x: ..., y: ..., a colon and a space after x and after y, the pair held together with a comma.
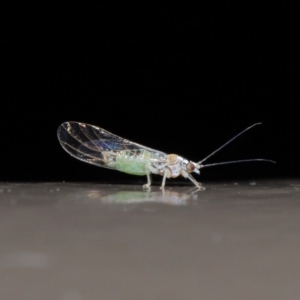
x: 96, y: 146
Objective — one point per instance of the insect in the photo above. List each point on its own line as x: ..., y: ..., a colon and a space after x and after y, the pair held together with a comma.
x: 99, y: 147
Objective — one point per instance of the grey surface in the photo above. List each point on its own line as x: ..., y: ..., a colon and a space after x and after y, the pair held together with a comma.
x: 236, y: 240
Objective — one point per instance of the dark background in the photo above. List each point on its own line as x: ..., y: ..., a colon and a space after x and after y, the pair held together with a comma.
x: 180, y: 78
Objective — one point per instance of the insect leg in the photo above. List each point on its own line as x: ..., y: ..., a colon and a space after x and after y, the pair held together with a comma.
x: 149, y: 170
x: 167, y: 173
x: 193, y: 180
x: 163, y: 182
x: 148, y: 184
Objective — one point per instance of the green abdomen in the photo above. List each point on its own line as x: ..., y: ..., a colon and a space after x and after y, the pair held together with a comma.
x: 134, y: 164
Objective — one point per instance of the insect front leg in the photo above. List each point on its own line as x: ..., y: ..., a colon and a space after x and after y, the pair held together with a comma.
x: 192, y: 179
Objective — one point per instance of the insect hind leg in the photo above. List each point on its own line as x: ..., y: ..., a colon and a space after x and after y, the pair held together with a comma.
x: 148, y: 184
x: 149, y: 170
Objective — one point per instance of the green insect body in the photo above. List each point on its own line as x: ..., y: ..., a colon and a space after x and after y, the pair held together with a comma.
x: 134, y: 164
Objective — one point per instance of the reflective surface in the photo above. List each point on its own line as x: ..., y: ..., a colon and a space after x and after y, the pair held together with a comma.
x: 235, y: 240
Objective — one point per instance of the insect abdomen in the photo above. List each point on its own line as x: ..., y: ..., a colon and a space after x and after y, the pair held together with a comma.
x: 134, y: 164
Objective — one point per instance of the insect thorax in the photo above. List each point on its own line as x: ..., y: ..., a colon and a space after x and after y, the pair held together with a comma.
x: 179, y: 165
x: 175, y: 164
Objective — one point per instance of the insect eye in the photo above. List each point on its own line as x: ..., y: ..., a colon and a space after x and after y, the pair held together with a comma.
x: 190, y: 166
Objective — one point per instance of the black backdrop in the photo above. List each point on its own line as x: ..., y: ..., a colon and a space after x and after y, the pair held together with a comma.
x: 181, y: 78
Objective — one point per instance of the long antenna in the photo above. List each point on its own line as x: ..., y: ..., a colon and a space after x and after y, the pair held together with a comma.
x: 236, y: 161
x: 200, y: 162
